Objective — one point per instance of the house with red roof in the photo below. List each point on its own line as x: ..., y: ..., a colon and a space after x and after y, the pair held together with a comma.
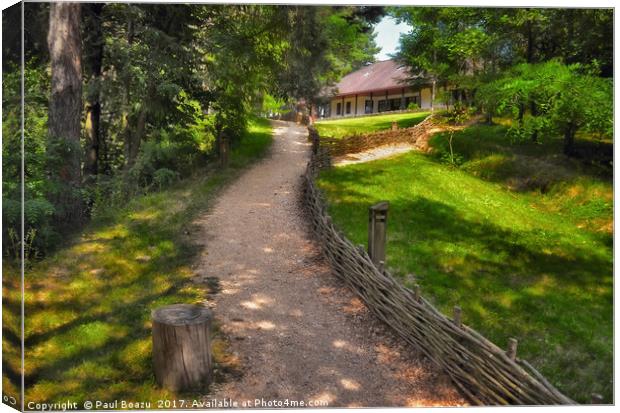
x: 379, y: 87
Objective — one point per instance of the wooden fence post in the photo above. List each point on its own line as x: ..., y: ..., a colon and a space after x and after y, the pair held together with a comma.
x: 381, y: 266
x: 416, y: 292
x: 457, y: 316
x: 512, y: 349
x: 182, y: 347
x: 377, y: 227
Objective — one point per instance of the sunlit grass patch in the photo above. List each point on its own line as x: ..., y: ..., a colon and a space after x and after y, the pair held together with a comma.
x: 88, y: 306
x: 521, y: 262
x: 338, y: 128
x: 11, y: 330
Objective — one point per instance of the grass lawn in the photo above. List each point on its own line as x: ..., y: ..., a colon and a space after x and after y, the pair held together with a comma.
x: 338, y: 128
x: 518, y: 236
x: 88, y: 306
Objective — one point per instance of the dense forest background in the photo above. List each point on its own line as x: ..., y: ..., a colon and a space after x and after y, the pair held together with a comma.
x: 122, y: 99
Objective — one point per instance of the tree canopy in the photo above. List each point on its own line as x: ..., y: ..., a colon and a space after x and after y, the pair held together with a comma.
x: 548, y: 69
x: 157, y: 87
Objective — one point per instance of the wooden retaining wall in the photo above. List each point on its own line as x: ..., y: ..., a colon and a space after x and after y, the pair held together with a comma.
x: 362, y: 142
x: 485, y: 373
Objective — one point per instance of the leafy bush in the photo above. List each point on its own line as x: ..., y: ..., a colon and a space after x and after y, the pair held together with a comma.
x: 108, y: 191
x: 39, y: 232
x: 39, y: 211
x: 173, y: 155
x: 413, y: 106
x: 561, y: 99
x: 164, y: 177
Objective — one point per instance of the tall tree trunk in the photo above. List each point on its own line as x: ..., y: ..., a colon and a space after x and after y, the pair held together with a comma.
x: 65, y: 108
x: 534, y: 111
x: 126, y: 125
x: 219, y: 131
x: 489, y: 117
x: 530, y: 59
x: 434, y: 84
x: 570, y: 36
x: 135, y: 138
x: 530, y: 42
x: 136, y: 134
x: 93, y: 108
x: 93, y: 136
x: 569, y: 140
x: 433, y: 94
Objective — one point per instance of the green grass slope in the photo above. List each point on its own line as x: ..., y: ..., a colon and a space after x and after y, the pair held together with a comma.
x: 517, y: 236
x: 88, y: 306
x: 338, y: 128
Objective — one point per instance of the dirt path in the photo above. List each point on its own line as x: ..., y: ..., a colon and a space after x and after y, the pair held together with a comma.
x: 380, y: 152
x: 298, y: 333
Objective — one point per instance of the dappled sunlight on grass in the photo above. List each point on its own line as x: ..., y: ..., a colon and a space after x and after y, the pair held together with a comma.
x: 11, y: 330
x: 521, y: 264
x: 147, y: 215
x: 108, y: 233
x: 88, y: 306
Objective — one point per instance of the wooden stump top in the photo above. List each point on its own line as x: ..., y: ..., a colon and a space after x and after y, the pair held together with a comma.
x: 181, y: 314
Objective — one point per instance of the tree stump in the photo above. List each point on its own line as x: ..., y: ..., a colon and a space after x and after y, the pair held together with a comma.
x: 182, y: 347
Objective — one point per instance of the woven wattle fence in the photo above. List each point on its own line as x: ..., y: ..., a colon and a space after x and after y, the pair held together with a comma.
x: 484, y: 372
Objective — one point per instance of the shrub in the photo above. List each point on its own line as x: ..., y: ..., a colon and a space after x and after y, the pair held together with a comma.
x: 164, y: 177
x: 561, y: 100
x: 413, y: 106
x: 40, y: 234
x: 39, y: 231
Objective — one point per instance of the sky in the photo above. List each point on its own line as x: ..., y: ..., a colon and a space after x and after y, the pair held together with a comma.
x: 388, y: 33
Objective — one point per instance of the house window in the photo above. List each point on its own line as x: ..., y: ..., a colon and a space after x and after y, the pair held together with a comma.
x: 389, y: 105
x: 368, y: 106
x: 411, y: 99
x: 394, y: 104
x: 348, y: 107
x: 338, y: 108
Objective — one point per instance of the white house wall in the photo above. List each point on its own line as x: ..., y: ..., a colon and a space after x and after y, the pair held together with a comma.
x: 424, y: 97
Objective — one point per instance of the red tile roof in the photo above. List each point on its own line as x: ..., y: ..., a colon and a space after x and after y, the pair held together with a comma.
x: 387, y: 74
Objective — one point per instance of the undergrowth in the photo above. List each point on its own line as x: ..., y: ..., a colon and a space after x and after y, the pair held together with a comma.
x: 88, y: 305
